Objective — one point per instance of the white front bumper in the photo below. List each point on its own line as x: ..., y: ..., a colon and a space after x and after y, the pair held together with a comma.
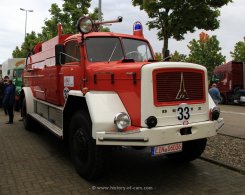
x: 159, y: 135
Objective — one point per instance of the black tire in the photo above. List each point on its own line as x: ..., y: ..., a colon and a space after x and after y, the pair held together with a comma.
x: 190, y: 151
x: 27, y: 120
x: 223, y: 100
x: 17, y: 106
x: 87, y: 158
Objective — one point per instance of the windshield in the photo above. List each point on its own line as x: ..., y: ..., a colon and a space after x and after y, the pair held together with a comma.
x: 217, y: 77
x: 137, y: 50
x: 100, y: 49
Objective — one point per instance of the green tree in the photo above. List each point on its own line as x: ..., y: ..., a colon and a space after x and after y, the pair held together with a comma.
x: 30, y: 41
x: 206, y: 51
x: 174, y: 18
x: 72, y: 11
x: 239, y: 51
x: 68, y: 15
x: 95, y: 16
x: 49, y: 29
x: 158, y: 56
x: 177, y: 57
x: 17, y: 53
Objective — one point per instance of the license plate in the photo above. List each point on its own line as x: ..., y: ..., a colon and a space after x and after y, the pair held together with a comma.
x: 165, y: 149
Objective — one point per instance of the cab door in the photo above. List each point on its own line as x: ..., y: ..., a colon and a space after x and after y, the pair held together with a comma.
x: 51, y: 84
x: 70, y: 74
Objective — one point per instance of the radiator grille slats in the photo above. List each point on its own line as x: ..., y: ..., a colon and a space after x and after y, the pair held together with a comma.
x: 180, y: 85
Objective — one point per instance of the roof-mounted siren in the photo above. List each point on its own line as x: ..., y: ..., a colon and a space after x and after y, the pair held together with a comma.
x: 86, y: 24
x: 138, y: 29
x: 98, y: 24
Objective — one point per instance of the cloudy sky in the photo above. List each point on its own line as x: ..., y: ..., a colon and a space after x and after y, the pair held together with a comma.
x: 12, y: 24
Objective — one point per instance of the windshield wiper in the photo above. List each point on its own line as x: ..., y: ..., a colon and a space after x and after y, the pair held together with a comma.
x: 112, y: 52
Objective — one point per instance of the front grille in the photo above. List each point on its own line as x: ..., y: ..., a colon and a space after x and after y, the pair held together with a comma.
x: 178, y: 86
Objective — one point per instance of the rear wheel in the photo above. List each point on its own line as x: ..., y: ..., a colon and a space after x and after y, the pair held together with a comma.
x: 27, y: 120
x: 87, y: 157
x: 223, y: 100
x: 190, y: 151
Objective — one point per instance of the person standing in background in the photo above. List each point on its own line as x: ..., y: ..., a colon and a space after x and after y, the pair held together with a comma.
x: 215, y: 94
x: 1, y: 92
x: 5, y: 84
x: 9, y: 99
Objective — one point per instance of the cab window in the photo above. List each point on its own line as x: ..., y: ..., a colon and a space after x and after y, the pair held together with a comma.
x: 72, y: 52
x: 218, y: 77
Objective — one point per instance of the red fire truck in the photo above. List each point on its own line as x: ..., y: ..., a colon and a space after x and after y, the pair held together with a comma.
x: 230, y: 80
x: 98, y: 90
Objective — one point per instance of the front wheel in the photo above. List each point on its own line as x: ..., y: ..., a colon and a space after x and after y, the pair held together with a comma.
x: 27, y: 120
x: 190, y: 151
x: 87, y: 157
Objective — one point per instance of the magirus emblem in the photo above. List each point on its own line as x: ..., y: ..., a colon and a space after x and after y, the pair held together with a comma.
x: 182, y: 94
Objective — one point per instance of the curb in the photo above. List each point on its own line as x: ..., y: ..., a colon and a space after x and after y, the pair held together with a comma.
x: 232, y: 136
x: 239, y: 170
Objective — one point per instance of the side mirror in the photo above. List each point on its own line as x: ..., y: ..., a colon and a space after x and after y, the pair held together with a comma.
x: 59, y: 54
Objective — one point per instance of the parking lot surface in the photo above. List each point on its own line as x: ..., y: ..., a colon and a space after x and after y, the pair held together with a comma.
x: 38, y: 163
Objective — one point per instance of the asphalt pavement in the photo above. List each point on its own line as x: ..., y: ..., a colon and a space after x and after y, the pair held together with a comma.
x: 234, y: 119
x: 39, y: 163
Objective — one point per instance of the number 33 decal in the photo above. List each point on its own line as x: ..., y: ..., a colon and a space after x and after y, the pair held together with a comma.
x: 183, y: 113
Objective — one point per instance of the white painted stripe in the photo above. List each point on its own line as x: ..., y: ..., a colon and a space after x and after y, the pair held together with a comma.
x: 228, y: 112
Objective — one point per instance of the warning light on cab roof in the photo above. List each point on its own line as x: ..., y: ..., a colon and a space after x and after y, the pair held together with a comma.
x: 138, y: 29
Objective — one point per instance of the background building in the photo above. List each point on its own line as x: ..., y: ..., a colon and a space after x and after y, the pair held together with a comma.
x: 10, y: 64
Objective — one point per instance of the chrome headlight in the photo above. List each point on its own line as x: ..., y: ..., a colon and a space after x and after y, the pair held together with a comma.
x: 85, y: 25
x: 122, y: 120
x: 215, y: 113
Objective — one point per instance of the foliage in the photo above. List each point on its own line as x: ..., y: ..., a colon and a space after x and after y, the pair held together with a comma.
x: 238, y: 54
x: 49, y: 29
x: 17, y: 53
x: 174, y: 18
x: 158, y: 56
x: 206, y: 52
x: 68, y: 15
x: 95, y: 16
x: 73, y: 10
x: 30, y: 41
x: 177, y: 57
